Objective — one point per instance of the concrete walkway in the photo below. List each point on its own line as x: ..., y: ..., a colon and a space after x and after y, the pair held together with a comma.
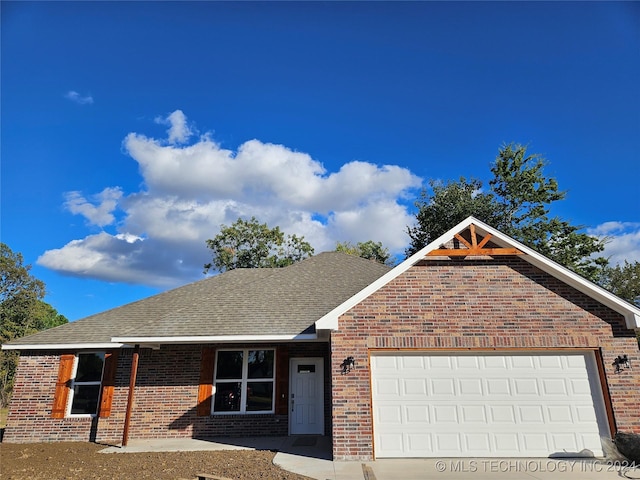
x: 311, y: 456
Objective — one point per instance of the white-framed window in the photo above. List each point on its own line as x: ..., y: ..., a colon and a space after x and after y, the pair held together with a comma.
x: 85, y: 383
x: 244, y: 381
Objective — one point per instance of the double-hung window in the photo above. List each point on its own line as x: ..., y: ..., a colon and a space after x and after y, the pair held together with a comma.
x: 86, y: 383
x: 244, y: 381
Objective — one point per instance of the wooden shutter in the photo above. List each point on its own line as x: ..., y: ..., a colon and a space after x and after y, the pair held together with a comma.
x: 62, y: 385
x: 205, y: 389
x: 282, y: 380
x: 108, y: 383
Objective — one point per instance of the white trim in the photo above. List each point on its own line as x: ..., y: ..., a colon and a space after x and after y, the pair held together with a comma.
x: 631, y: 313
x: 64, y: 346
x: 311, y: 337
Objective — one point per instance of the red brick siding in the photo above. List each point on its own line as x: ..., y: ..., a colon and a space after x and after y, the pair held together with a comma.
x: 472, y: 304
x: 165, y: 402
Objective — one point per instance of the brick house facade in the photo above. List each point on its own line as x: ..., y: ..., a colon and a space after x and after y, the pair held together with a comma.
x: 473, y: 295
x: 501, y: 304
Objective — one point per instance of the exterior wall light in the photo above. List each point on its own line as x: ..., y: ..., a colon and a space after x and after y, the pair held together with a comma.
x: 347, y: 365
x: 621, y: 363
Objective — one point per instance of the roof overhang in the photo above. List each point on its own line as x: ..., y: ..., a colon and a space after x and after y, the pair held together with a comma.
x: 630, y: 312
x: 185, y: 340
x: 63, y: 346
x: 155, y: 342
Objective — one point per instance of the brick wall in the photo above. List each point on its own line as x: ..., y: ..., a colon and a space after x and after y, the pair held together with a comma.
x: 472, y: 304
x: 165, y: 400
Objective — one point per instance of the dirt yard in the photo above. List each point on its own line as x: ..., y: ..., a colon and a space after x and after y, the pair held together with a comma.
x: 81, y: 461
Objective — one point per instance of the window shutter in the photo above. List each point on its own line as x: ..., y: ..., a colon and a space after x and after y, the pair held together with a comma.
x: 205, y: 389
x: 62, y: 385
x: 108, y: 383
x: 282, y: 380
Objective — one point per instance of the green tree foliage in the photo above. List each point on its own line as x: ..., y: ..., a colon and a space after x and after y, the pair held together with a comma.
x: 370, y: 250
x: 250, y: 244
x: 623, y: 281
x: 517, y: 203
x: 22, y: 312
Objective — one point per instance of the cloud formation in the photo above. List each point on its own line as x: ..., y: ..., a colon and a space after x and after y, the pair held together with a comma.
x: 191, y: 187
x: 77, y: 98
x: 623, y: 241
x: 156, y: 236
x: 100, y: 214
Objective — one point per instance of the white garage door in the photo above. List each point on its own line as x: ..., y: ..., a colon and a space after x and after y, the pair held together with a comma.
x: 486, y: 405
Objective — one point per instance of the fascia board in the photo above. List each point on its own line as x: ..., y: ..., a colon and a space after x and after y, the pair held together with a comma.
x: 216, y: 339
x: 63, y: 346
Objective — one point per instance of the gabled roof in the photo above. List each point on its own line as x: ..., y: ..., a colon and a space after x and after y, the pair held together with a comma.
x: 496, y: 244
x: 258, y: 304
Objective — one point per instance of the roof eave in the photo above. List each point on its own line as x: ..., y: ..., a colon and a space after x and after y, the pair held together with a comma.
x: 200, y: 339
x: 63, y: 346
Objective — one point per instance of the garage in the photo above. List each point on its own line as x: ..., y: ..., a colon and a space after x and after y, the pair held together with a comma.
x: 487, y: 404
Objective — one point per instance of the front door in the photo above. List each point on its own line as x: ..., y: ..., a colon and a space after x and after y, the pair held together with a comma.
x: 306, y: 400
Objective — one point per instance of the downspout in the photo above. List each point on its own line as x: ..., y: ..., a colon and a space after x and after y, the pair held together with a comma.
x: 132, y: 386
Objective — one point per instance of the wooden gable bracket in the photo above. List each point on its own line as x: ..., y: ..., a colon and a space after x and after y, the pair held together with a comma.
x: 474, y: 248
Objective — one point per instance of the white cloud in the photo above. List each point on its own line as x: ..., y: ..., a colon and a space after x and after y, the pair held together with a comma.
x: 179, y: 131
x: 100, y: 214
x: 623, y: 241
x: 77, y: 98
x: 190, y: 189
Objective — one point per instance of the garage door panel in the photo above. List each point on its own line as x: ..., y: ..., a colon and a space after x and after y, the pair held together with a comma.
x: 554, y: 386
x: 445, y: 414
x: 473, y: 414
x: 443, y: 387
x: 415, y: 386
x: 417, y: 414
x: 525, y: 387
x: 498, y: 386
x: 418, y: 444
x: 477, y: 442
x: 448, y: 443
x: 501, y: 414
x: 485, y: 405
x: 470, y: 386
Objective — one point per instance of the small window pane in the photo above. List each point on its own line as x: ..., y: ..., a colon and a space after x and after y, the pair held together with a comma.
x: 260, y: 364
x: 85, y: 399
x: 227, y: 397
x: 229, y: 365
x: 89, y: 367
x: 259, y: 396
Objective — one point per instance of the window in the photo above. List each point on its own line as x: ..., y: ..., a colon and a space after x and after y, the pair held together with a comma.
x: 87, y: 380
x: 244, y: 381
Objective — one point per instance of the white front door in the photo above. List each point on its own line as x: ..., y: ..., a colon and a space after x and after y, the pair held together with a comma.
x: 306, y: 398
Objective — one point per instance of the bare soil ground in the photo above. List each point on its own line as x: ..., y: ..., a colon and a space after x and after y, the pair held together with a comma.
x: 81, y: 461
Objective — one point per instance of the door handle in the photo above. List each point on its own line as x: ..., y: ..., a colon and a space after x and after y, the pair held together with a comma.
x: 292, y: 402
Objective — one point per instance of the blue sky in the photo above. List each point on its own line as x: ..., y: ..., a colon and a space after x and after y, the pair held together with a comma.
x: 132, y: 131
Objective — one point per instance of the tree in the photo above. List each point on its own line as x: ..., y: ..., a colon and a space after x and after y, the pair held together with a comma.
x: 517, y: 203
x: 22, y: 312
x: 370, y: 250
x: 623, y: 281
x: 447, y: 205
x: 250, y: 244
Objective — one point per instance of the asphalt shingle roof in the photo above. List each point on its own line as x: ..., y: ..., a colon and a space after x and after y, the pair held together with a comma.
x: 266, y: 301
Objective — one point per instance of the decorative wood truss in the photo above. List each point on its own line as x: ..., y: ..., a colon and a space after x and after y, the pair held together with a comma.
x: 474, y: 248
